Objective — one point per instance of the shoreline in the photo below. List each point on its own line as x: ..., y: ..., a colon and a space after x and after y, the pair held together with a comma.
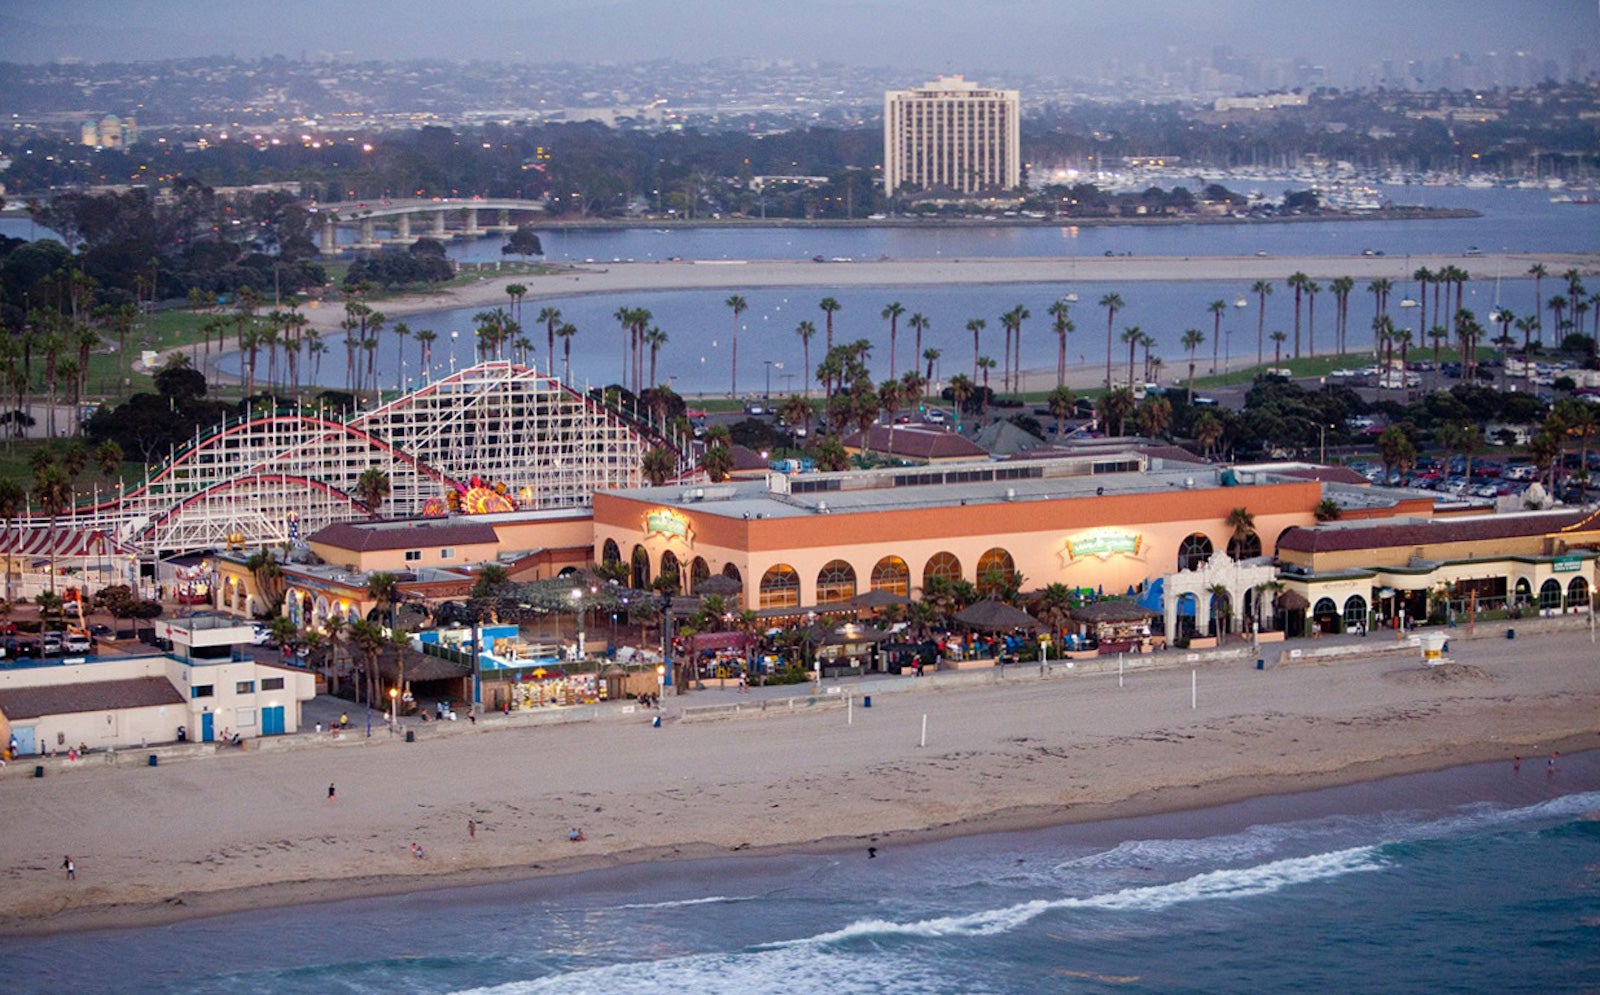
x: 251, y: 830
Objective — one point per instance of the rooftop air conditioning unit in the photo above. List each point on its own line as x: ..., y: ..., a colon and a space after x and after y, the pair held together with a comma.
x: 822, y: 507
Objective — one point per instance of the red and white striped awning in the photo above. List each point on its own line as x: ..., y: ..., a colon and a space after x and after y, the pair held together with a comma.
x: 61, y: 542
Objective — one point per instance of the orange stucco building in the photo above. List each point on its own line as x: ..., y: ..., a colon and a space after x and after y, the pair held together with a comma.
x: 1107, y: 521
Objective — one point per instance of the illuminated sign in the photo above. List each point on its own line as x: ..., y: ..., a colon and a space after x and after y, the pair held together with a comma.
x: 665, y: 521
x: 1566, y: 565
x: 1105, y: 543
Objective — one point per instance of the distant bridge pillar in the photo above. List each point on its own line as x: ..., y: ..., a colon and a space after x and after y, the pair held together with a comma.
x: 330, y: 237
x: 505, y: 221
x: 438, y: 225
x: 472, y: 222
x: 367, y: 238
x: 402, y: 228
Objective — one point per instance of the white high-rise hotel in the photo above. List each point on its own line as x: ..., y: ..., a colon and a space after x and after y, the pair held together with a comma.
x: 951, y: 135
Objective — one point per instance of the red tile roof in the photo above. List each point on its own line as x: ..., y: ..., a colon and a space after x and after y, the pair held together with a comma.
x: 88, y: 696
x: 917, y: 442
x: 1329, y: 475
x: 362, y: 537
x: 1415, y: 532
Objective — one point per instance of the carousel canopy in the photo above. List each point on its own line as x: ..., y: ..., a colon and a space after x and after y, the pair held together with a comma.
x: 61, y: 542
x: 996, y: 616
x: 1112, y: 611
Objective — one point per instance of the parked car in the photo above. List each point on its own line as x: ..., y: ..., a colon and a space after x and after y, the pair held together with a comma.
x: 79, y: 642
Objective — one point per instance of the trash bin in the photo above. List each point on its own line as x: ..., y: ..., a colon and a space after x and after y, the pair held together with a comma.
x: 1511, y: 633
x: 411, y: 735
x: 1261, y: 664
x: 655, y: 723
x: 154, y: 760
x: 866, y: 701
x: 38, y: 771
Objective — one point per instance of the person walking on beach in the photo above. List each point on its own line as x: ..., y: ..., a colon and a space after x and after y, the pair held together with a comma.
x: 1550, y: 765
x: 71, y: 868
x: 330, y: 792
x: 472, y: 829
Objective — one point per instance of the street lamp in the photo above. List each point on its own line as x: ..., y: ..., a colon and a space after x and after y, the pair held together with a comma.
x: 770, y: 363
x: 394, y: 699
x: 577, y: 606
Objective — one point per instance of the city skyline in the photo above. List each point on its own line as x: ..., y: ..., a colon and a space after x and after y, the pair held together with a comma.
x: 1138, y: 37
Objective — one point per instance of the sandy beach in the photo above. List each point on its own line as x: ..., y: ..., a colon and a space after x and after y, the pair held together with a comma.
x: 254, y: 828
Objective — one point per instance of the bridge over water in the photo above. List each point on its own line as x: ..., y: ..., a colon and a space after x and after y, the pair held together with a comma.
x: 441, y: 218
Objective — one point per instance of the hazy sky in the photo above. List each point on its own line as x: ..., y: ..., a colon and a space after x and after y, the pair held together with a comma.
x: 1027, y: 36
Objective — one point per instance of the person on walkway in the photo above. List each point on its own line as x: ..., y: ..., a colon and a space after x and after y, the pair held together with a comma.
x: 472, y: 829
x: 330, y: 792
x: 71, y: 868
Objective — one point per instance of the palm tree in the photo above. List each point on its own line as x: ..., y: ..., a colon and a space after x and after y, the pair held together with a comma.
x: 918, y: 324
x: 1557, y: 305
x: 1424, y: 276
x: 807, y: 331
x: 1133, y: 335
x: 1015, y: 317
x: 1262, y: 289
x: 550, y: 317
x: 1313, y: 288
x: 975, y: 326
x: 1379, y: 289
x: 565, y: 334
x: 738, y: 306
x: 1118, y: 405
x: 1243, y: 525
x: 828, y: 306
x: 1468, y: 331
x: 1191, y: 341
x: 1538, y: 272
x: 985, y: 364
x: 372, y: 487
x: 1062, y: 325
x: 1112, y: 303
x: 54, y: 493
x: 658, y: 465
x: 425, y: 340
x: 516, y: 291
x: 1278, y: 339
x: 655, y: 338
x: 1524, y: 325
x: 1154, y: 417
x: 1207, y: 429
x: 1217, y: 309
x: 961, y: 390
x: 892, y: 312
x: 1341, y: 287
x: 932, y: 356
x: 1439, y: 336
x: 1062, y: 403
x: 1297, y: 282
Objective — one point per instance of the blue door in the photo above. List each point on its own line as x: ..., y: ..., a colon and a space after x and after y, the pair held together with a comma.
x: 272, y: 721
x: 207, y: 728
x: 25, y: 745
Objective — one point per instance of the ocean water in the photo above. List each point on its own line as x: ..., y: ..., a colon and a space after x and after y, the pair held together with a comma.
x: 1474, y: 879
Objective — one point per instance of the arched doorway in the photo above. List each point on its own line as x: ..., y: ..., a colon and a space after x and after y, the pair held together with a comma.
x: 1550, y: 595
x: 891, y: 574
x: 1578, y: 593
x: 1325, y: 615
x: 699, y: 570
x: 836, y: 583
x: 609, y: 553
x: 1522, y: 593
x: 1355, y: 612
x: 670, y: 570
x: 941, y: 566
x: 1220, y: 616
x: 1188, y: 605
x: 996, y: 571
x: 780, y: 587
x: 1194, y: 550
x: 641, y: 567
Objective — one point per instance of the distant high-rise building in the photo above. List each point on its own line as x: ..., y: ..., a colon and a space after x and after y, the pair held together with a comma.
x: 951, y: 135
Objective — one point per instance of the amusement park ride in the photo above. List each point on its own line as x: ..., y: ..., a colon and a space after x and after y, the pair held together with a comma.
x: 271, y: 476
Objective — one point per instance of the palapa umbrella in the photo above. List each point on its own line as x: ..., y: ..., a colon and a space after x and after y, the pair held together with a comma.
x: 1111, y: 611
x: 1292, y: 601
x: 990, y: 615
x: 879, y: 598
x: 719, y: 584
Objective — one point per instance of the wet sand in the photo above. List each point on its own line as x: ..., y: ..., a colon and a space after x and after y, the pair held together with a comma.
x: 249, y: 829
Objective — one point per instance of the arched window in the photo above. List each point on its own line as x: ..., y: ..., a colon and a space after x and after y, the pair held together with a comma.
x: 891, y: 574
x: 609, y: 553
x: 1550, y: 594
x: 1244, y: 549
x: 941, y: 566
x: 1523, y: 592
x: 670, y: 568
x: 780, y: 587
x: 1325, y: 606
x: 1578, y: 593
x: 1194, y: 550
x: 698, y: 571
x: 641, y: 567
x: 836, y: 582
x: 732, y: 572
x: 1355, y: 611
x: 996, y: 569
